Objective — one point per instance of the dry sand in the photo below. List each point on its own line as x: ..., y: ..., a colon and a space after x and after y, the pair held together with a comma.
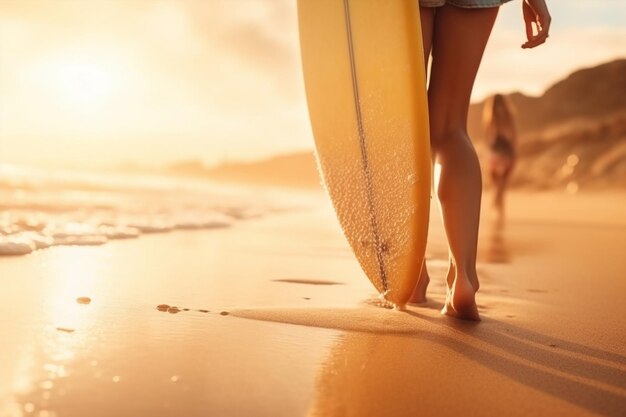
x: 552, y: 340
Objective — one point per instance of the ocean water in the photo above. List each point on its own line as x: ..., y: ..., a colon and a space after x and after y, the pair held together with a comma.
x: 40, y: 208
x: 80, y: 324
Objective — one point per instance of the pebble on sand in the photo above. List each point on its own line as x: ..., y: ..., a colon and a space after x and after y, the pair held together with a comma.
x: 203, y: 311
x: 83, y: 300
x: 65, y: 329
x: 224, y: 313
x: 173, y: 310
x: 163, y: 307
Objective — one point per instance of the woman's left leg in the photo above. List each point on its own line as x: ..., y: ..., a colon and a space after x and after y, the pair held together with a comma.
x: 427, y: 18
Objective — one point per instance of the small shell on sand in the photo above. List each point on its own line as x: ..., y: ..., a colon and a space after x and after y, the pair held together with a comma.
x: 173, y: 310
x: 83, y: 300
x: 224, y: 313
x: 163, y: 307
x: 65, y: 329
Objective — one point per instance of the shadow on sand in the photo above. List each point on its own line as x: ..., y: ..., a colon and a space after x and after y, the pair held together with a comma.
x: 368, y: 369
x: 385, y: 362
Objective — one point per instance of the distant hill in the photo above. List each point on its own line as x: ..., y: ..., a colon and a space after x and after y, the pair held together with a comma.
x: 574, y: 135
x: 580, y: 153
x: 588, y: 93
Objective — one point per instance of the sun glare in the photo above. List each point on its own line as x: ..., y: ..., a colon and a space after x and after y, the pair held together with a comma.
x: 83, y: 83
x: 77, y: 83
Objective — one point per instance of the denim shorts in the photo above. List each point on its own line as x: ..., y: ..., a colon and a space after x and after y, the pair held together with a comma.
x: 466, y: 4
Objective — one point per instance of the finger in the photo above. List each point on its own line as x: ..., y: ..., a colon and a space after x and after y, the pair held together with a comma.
x: 533, y: 44
x: 542, y: 33
x: 536, y: 40
x: 530, y: 33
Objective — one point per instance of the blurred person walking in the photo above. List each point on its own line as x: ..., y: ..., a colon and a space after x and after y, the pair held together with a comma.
x: 501, y: 137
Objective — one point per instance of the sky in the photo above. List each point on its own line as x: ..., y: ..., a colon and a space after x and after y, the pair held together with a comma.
x: 97, y: 83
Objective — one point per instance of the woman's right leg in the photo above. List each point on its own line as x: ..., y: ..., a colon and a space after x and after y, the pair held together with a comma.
x: 459, y: 40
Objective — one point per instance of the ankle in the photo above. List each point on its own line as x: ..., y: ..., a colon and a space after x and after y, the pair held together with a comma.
x: 464, y: 275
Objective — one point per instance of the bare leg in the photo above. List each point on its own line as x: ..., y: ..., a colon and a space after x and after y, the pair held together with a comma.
x: 498, y: 193
x: 505, y: 183
x: 427, y: 17
x: 459, y: 39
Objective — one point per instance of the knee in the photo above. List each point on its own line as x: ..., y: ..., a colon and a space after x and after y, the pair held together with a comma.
x: 447, y: 120
x: 442, y: 137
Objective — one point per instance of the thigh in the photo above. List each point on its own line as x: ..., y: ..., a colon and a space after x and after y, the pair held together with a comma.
x: 459, y: 40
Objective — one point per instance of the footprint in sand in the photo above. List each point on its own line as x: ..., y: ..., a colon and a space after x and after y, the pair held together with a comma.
x: 166, y: 308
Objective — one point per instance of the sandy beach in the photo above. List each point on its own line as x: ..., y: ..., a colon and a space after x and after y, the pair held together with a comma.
x: 281, y: 322
x: 168, y: 249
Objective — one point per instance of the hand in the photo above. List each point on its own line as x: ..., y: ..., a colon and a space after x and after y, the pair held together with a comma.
x: 535, y: 12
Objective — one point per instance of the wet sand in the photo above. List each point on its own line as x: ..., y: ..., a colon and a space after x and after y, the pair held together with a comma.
x: 279, y: 324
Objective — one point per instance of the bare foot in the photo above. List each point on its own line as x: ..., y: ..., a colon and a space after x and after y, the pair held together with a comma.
x: 461, y: 298
x: 419, y: 293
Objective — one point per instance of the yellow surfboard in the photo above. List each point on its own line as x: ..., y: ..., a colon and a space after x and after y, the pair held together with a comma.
x: 366, y: 91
